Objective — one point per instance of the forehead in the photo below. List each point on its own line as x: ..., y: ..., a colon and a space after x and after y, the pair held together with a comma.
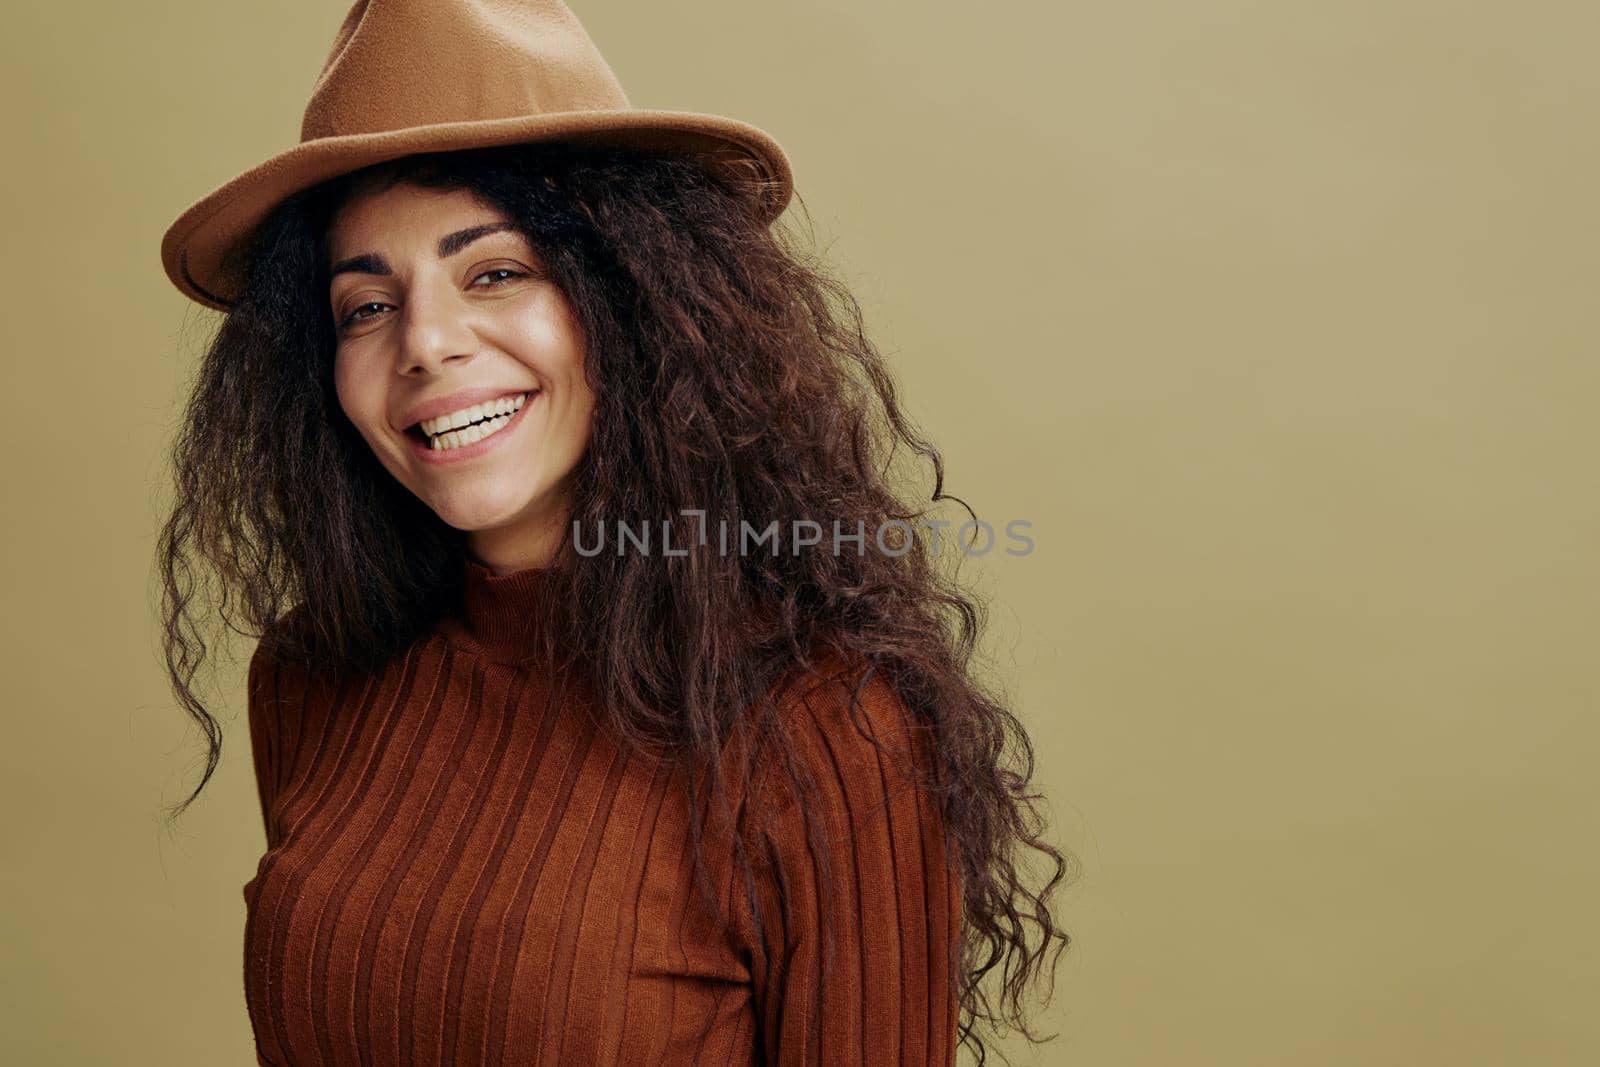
x: 402, y: 214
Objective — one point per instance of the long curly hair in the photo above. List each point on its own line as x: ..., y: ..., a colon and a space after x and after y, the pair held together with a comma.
x: 732, y: 376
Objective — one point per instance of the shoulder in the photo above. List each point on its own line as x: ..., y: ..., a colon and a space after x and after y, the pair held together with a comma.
x: 273, y: 643
x: 848, y: 692
x: 283, y: 651
x: 850, y: 735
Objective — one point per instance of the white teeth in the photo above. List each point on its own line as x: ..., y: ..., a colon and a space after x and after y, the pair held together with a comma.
x: 453, y: 431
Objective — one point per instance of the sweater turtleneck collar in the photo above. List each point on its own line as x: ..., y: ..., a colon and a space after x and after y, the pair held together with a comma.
x: 501, y: 613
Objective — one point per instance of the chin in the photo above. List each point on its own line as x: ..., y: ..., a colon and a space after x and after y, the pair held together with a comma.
x: 473, y: 515
x: 472, y: 511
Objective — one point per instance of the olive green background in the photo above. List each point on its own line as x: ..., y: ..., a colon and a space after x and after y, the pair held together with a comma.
x: 1275, y: 319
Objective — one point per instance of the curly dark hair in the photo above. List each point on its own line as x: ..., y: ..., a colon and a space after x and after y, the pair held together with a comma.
x: 732, y: 374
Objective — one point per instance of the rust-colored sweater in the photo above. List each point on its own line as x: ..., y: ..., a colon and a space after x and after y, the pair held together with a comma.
x: 462, y: 870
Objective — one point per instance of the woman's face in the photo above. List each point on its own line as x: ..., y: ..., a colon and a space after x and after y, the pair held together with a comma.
x: 444, y: 317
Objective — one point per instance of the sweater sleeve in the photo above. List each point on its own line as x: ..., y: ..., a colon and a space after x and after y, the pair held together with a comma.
x: 886, y: 912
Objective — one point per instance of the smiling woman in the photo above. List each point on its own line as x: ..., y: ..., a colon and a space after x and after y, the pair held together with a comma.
x: 527, y: 805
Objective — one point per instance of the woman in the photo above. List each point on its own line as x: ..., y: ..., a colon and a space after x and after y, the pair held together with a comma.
x: 563, y: 755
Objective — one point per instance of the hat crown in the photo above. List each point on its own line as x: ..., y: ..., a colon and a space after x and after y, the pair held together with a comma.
x: 407, y: 77
x: 397, y: 64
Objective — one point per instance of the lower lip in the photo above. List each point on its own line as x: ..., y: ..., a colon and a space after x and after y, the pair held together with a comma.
x: 461, y: 453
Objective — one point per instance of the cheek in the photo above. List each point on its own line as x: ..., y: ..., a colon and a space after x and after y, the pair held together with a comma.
x: 577, y: 420
x: 359, y: 392
x: 577, y: 430
x: 543, y: 333
x: 583, y: 415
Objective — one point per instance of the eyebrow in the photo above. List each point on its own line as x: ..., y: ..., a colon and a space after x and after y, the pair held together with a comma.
x: 449, y: 245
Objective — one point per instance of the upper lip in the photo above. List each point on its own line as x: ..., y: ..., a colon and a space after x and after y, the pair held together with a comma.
x: 465, y: 398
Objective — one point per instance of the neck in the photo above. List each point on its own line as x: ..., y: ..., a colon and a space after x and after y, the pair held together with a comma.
x: 530, y: 542
x: 504, y: 614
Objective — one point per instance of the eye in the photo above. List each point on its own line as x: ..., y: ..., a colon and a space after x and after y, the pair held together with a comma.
x: 501, y: 270
x: 355, y: 315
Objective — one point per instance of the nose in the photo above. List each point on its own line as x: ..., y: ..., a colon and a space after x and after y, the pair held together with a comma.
x: 433, y: 329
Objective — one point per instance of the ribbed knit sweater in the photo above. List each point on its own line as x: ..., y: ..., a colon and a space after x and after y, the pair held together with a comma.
x: 461, y: 869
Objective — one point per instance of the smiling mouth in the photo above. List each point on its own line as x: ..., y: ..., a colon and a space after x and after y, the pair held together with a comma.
x: 469, y: 432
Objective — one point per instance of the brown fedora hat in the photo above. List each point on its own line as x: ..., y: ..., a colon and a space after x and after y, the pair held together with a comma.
x: 410, y: 76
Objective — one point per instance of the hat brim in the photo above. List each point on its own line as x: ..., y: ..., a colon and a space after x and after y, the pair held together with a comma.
x: 195, y: 245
